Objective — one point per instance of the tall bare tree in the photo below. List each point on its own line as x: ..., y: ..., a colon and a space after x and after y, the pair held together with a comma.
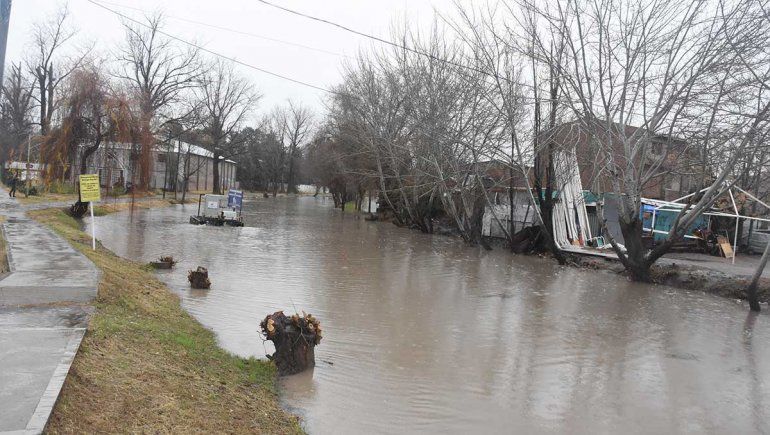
x: 15, y: 111
x: 297, y: 123
x: 226, y: 101
x: 48, y: 65
x: 634, y: 75
x: 159, y: 72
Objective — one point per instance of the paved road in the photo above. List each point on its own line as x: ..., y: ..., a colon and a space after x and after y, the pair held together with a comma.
x: 43, y: 316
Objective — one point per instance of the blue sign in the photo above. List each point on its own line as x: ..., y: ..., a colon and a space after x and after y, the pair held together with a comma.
x: 235, y: 199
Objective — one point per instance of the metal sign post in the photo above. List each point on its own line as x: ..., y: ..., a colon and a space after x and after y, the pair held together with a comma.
x: 90, y: 192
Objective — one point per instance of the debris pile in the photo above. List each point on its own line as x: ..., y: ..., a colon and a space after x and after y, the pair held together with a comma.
x: 294, y: 338
x: 199, y: 278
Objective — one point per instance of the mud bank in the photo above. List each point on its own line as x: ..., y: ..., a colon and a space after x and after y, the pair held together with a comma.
x: 683, y: 277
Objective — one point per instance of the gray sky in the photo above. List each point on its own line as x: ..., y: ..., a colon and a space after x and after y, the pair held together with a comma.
x: 371, y: 16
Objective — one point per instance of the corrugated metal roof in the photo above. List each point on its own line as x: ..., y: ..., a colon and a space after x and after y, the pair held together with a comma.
x: 178, y: 146
x: 183, y: 147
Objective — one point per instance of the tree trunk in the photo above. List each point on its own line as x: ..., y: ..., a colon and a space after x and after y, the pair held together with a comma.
x: 292, y: 185
x: 215, y: 174
x: 87, y: 152
x: 637, y: 265
x: 511, y: 212
x: 186, y: 177
x: 145, y: 153
x: 43, y: 103
x: 751, y: 291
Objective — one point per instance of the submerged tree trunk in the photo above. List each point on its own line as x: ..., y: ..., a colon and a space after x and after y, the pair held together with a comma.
x: 751, y: 291
x: 294, y: 338
x: 199, y: 278
x: 636, y: 261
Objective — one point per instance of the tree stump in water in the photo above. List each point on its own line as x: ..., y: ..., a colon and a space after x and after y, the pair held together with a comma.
x: 78, y: 209
x: 295, y: 339
x: 199, y: 278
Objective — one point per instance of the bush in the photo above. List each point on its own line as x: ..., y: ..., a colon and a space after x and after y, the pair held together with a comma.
x: 61, y: 187
x: 23, y: 189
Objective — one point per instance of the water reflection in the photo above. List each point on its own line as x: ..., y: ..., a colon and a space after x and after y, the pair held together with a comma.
x: 424, y: 334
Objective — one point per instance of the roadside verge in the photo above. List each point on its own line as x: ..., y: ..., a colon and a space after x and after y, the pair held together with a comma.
x: 145, y: 365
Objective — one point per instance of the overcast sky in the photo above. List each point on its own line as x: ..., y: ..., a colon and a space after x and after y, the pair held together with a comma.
x: 371, y: 16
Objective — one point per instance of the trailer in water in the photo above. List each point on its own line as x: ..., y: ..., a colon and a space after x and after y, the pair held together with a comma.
x: 219, y: 210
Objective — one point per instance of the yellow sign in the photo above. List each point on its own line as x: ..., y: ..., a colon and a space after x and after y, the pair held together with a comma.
x: 89, y: 188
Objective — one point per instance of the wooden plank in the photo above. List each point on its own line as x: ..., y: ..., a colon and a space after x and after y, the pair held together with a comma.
x: 725, y: 247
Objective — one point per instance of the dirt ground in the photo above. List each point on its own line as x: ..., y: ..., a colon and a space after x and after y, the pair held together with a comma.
x: 688, y: 276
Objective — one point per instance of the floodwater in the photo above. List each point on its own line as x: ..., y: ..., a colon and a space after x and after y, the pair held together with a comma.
x: 423, y: 334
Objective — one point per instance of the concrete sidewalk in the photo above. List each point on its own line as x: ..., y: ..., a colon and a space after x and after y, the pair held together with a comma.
x: 43, y: 316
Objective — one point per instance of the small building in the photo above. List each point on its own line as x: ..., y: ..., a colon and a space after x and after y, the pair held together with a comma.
x: 25, y: 170
x: 505, y: 187
x: 171, y: 165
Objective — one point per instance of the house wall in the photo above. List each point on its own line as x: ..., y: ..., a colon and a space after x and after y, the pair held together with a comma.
x: 523, y: 214
x: 678, y: 177
x: 114, y: 164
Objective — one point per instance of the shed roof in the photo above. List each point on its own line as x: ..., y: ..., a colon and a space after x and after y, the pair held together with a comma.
x: 176, y: 147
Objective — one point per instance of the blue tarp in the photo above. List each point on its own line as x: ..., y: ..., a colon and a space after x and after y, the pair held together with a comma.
x: 664, y: 219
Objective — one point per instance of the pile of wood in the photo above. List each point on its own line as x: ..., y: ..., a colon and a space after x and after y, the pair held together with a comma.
x: 294, y: 339
x: 199, y: 278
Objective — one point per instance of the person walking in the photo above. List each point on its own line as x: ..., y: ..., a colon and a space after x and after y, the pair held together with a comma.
x: 13, y: 183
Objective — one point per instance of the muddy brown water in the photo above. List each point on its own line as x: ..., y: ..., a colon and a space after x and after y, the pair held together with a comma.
x: 423, y: 334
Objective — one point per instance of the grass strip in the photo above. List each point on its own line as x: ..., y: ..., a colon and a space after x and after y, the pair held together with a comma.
x: 145, y: 365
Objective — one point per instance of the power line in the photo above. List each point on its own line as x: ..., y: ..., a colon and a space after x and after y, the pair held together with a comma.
x: 300, y: 82
x: 405, y: 47
x: 227, y: 29
x: 214, y: 53
x: 381, y: 40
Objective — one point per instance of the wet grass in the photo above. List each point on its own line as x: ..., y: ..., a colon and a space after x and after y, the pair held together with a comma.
x: 68, y: 193
x: 103, y: 209
x: 145, y: 365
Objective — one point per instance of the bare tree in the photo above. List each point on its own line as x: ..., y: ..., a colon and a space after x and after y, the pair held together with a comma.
x: 297, y: 122
x: 227, y: 99
x: 753, y: 32
x: 273, y: 149
x: 159, y: 72
x: 634, y: 75
x: 500, y: 54
x: 188, y: 164
x: 16, y: 115
x: 47, y: 64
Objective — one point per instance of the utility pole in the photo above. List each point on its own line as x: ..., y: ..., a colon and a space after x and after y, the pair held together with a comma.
x: 5, y: 19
